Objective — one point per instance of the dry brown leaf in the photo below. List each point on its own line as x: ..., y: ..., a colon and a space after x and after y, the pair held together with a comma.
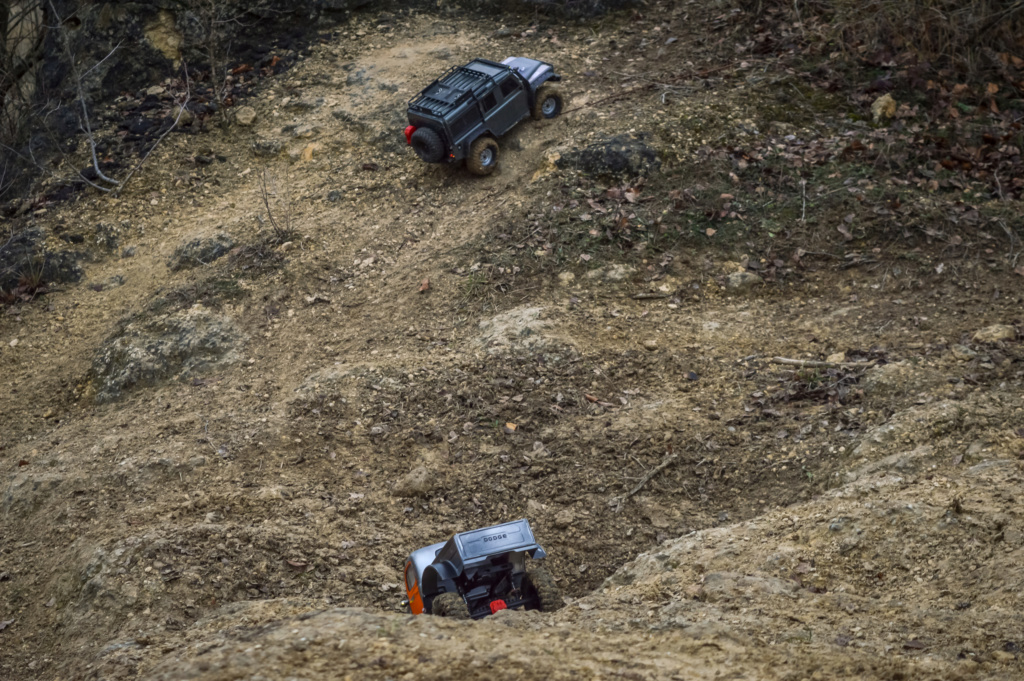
x: 590, y: 398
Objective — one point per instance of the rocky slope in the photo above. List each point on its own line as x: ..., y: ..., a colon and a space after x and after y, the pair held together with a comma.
x: 296, y: 353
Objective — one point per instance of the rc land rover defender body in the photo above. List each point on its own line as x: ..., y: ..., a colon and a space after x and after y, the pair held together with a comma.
x: 462, y: 114
x: 477, y: 573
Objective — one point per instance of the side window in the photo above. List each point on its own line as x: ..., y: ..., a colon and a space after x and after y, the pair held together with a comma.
x: 488, y: 102
x: 464, y: 122
x: 508, y: 86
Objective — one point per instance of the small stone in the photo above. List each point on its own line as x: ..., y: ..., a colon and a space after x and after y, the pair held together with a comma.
x: 269, y: 493
x: 183, y: 116
x: 837, y: 358
x: 612, y: 273
x: 883, y: 107
x: 304, y: 104
x: 742, y: 281
x: 245, y: 115
x: 996, y: 333
x: 963, y: 353
x: 334, y: 196
x: 566, y: 278
x: 650, y: 345
x: 503, y: 32
x: 564, y: 519
x: 200, y: 250
x: 1013, y: 536
x: 418, y: 482
x: 266, y: 148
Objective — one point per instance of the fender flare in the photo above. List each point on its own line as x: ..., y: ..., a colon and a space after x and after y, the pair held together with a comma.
x: 438, y: 578
x: 549, y: 78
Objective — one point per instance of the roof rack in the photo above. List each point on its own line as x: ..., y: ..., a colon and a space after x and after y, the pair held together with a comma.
x: 456, y: 85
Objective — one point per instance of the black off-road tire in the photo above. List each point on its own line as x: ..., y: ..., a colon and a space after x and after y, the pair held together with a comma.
x: 540, y: 582
x: 483, y: 156
x: 450, y: 605
x: 549, y: 102
x: 428, y: 145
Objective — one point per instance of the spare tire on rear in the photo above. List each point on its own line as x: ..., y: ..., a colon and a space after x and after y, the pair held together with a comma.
x: 427, y: 144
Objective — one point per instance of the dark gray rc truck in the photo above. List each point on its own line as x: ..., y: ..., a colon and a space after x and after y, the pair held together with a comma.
x: 462, y: 114
x: 477, y: 573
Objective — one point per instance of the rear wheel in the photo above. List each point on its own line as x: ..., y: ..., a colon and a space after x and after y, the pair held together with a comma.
x: 428, y: 145
x: 539, y: 582
x: 450, y: 605
x: 483, y: 156
x: 549, y: 102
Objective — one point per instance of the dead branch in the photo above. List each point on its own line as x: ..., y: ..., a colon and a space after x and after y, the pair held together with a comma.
x: 819, y: 364
x: 282, y: 230
x: 669, y: 459
x: 181, y: 111
x: 86, y: 126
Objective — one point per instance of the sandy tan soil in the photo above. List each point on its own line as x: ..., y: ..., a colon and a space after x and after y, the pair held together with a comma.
x: 237, y: 515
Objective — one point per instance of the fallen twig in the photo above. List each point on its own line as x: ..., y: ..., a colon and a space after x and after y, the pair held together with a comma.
x: 816, y: 363
x: 181, y: 110
x: 669, y: 459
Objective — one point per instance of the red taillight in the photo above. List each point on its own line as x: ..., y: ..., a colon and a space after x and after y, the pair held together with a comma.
x: 498, y: 605
x: 409, y: 130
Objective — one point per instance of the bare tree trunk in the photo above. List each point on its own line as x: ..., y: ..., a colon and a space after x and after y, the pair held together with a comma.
x: 5, y: 59
x: 5, y: 14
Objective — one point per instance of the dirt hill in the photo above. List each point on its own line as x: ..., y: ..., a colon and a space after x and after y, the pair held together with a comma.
x: 753, y: 377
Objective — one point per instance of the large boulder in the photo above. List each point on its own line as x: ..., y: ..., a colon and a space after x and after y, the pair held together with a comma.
x: 24, y: 258
x: 200, y: 250
x: 176, y: 345
x: 618, y: 157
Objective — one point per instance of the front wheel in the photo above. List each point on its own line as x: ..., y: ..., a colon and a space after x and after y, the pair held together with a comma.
x: 549, y: 102
x: 539, y: 584
x: 450, y: 605
x: 483, y: 156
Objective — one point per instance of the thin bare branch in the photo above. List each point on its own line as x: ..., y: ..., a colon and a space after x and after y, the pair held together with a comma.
x: 181, y: 111
x: 814, y: 363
